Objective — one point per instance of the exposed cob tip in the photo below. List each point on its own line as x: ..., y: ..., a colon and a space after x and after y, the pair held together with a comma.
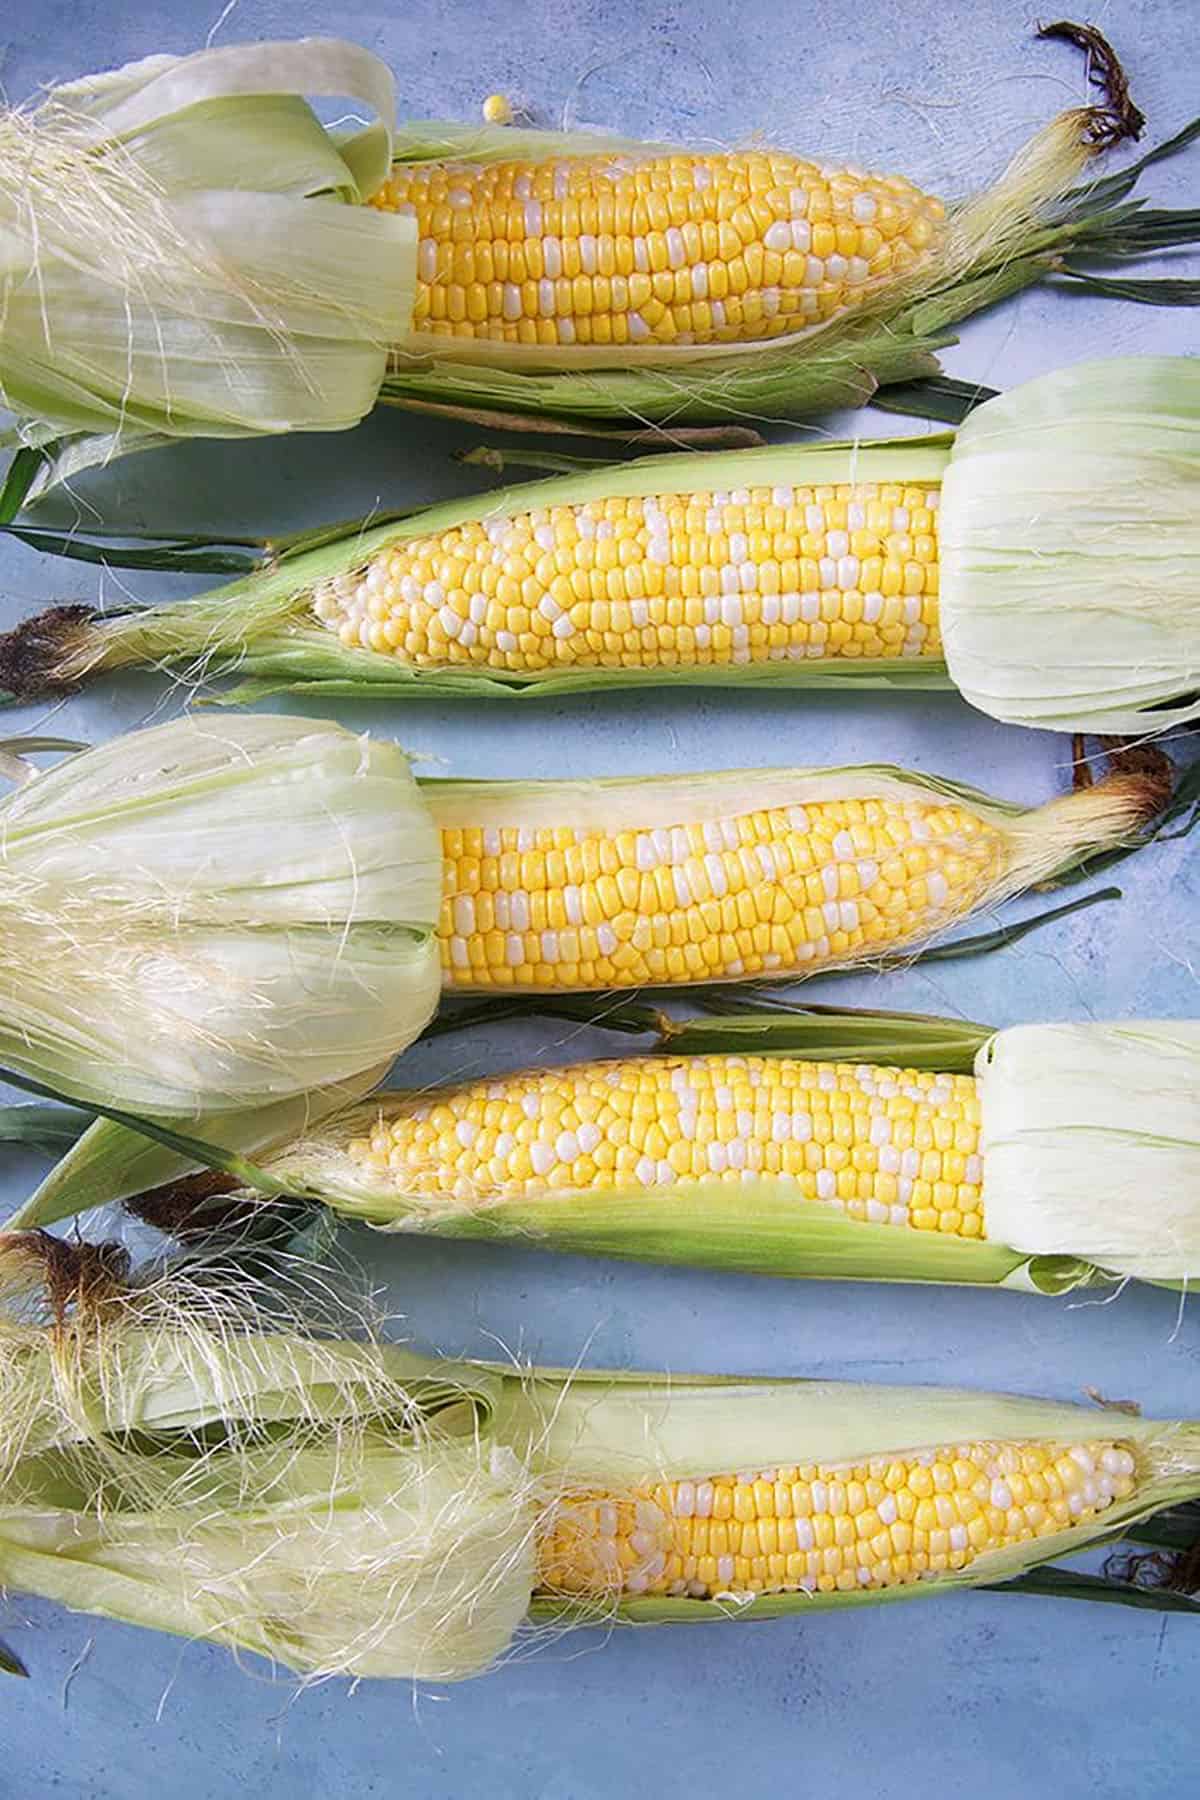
x: 48, y: 654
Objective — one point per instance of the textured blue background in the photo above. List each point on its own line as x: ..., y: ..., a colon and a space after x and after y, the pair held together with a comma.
x: 983, y: 1694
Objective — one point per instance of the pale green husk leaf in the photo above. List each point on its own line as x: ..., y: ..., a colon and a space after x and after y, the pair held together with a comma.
x: 181, y: 252
x: 1070, y: 549
x: 1091, y: 1137
x: 110, y: 1162
x: 212, y: 916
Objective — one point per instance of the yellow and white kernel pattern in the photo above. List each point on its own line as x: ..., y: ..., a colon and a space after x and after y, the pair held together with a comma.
x: 816, y: 1529
x: 776, y: 892
x: 647, y: 250
x: 674, y: 581
x: 890, y: 1146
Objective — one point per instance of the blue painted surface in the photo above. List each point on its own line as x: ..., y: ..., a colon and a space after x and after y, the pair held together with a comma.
x: 990, y: 1695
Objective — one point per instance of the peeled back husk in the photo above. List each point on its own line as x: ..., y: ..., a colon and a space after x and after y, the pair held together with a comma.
x: 1070, y: 549
x: 209, y: 917
x: 1091, y: 1136
x: 182, y: 252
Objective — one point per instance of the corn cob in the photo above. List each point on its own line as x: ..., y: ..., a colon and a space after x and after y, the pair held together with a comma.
x: 569, y: 276
x: 1044, y: 561
x: 887, y: 1145
x: 820, y: 1528
x: 354, y: 1509
x: 652, y: 249
x: 555, y: 886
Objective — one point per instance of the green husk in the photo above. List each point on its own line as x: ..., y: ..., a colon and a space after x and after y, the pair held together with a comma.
x: 184, y: 932
x: 42, y: 1127
x: 1092, y: 1135
x: 1091, y: 621
x: 350, y: 1508
x: 182, y: 253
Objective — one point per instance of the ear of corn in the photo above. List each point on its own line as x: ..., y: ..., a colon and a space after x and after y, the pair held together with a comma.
x: 1033, y: 1173
x: 830, y: 567
x: 770, y: 1151
x: 619, y: 251
x: 350, y: 1509
x: 560, y: 275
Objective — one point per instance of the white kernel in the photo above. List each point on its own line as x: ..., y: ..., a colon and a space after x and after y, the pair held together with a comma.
x: 827, y: 572
x: 563, y: 628
x: 889, y: 1158
x: 700, y: 281
x: 685, y: 1500
x: 717, y: 1159
x: 589, y: 1135
x: 847, y: 572
x: 644, y: 1170
x: 514, y: 951
x: 826, y: 1184
x: 458, y: 952
x: 541, y: 1157
x: 676, y: 254
x: 511, y: 301
x: 814, y: 272
x: 801, y: 236
x: 810, y: 607
x: 587, y: 253
x: 607, y: 939
x: 449, y: 621
x: 778, y: 236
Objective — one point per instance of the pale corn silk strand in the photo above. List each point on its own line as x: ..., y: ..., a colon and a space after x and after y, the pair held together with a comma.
x: 197, y: 1453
